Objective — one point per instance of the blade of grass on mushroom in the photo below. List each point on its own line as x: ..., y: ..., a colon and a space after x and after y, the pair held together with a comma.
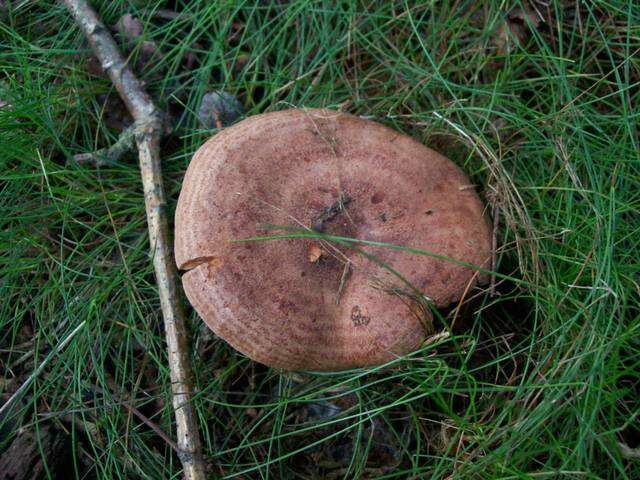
x: 349, y: 241
x: 416, y: 295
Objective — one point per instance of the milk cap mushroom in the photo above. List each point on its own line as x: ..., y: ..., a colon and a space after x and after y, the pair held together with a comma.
x: 308, y: 304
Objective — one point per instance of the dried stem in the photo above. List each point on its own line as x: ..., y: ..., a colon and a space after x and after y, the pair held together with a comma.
x: 148, y: 130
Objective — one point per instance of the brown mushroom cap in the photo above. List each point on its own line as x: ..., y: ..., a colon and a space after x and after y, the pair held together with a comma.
x: 292, y: 303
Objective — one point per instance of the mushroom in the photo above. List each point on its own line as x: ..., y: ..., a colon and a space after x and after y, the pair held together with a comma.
x: 309, y: 304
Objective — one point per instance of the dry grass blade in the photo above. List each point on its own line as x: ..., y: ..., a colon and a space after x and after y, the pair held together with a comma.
x: 6, y: 407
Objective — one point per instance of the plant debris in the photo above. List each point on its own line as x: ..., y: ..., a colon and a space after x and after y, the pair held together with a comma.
x: 314, y: 252
x: 38, y: 453
x: 219, y: 109
x: 331, y: 212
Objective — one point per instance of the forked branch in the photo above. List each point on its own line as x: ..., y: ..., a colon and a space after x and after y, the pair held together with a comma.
x: 148, y: 126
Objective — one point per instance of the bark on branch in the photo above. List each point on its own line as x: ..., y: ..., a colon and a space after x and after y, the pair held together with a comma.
x: 148, y: 125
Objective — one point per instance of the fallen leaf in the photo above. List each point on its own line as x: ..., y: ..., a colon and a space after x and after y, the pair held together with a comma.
x: 128, y: 27
x: 510, y: 34
x: 23, y: 459
x: 515, y: 28
x: 526, y: 15
x: 219, y: 109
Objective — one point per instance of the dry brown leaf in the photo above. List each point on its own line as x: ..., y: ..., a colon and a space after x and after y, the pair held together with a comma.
x: 219, y: 109
x: 314, y: 252
x: 129, y: 27
x: 515, y: 28
x: 526, y: 15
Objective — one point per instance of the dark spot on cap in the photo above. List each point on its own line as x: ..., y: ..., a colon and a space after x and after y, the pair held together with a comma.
x: 377, y: 197
x: 358, y: 318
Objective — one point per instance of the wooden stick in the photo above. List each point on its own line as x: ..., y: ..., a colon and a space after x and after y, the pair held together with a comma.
x: 148, y: 130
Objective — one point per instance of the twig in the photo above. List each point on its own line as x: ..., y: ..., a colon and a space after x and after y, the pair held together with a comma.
x: 152, y: 426
x: 148, y: 130
x: 110, y: 155
x: 120, y: 395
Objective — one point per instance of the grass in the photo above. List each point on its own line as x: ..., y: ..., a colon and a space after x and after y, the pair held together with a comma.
x: 539, y: 381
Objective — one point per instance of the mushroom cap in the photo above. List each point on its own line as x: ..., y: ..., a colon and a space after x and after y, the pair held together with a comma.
x: 305, y: 304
